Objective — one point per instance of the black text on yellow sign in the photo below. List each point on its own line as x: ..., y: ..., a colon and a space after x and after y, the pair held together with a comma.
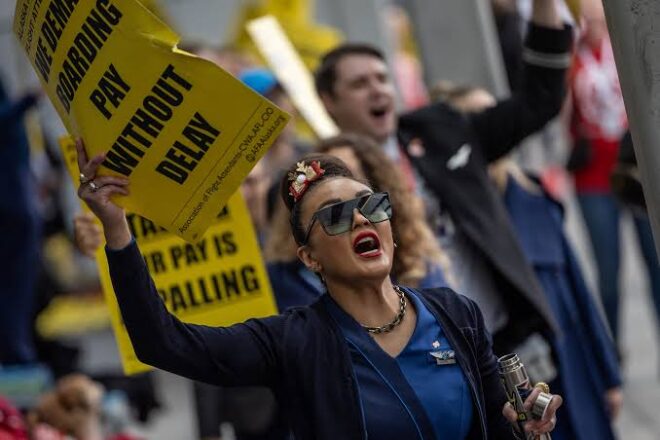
x: 183, y: 130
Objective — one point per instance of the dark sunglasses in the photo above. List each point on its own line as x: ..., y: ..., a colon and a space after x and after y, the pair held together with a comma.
x: 338, y: 218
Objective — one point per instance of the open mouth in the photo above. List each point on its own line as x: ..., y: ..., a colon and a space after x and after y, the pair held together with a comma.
x: 378, y: 112
x: 367, y: 245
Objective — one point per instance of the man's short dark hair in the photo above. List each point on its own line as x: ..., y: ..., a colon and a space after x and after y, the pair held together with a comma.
x: 326, y: 74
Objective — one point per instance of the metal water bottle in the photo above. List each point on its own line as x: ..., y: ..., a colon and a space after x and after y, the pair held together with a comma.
x: 518, y: 387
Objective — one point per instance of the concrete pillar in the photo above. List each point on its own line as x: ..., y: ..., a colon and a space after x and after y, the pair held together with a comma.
x: 634, y: 27
x: 458, y: 42
x: 359, y: 20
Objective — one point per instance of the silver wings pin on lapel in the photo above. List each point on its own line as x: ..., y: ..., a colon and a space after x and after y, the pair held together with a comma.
x: 444, y: 357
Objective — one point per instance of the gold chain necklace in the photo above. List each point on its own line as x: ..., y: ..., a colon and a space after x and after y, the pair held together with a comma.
x: 397, y: 319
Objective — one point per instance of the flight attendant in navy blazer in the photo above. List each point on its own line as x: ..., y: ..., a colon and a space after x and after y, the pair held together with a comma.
x: 369, y: 359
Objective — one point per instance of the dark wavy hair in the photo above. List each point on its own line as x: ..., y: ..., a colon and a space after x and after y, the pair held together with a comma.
x: 333, y: 168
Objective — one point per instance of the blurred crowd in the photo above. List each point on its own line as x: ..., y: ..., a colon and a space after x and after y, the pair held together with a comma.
x: 550, y: 317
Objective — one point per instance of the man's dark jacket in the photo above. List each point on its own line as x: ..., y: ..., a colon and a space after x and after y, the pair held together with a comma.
x: 463, y: 186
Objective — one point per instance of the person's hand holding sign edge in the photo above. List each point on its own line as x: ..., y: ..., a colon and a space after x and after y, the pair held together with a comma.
x: 97, y: 192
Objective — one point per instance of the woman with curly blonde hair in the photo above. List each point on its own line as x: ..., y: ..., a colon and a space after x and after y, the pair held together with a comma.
x: 418, y: 260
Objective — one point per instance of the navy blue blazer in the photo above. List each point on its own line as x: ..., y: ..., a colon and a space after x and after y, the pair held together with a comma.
x: 300, y: 354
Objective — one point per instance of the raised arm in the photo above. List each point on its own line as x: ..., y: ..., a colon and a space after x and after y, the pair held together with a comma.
x: 243, y: 354
x: 546, y: 57
x: 545, y: 13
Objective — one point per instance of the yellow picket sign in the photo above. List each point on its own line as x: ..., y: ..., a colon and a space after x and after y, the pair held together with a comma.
x: 311, y: 40
x: 218, y: 281
x: 285, y: 61
x: 294, y: 10
x: 184, y: 130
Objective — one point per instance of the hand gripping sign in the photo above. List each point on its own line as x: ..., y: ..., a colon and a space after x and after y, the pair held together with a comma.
x: 184, y: 131
x: 218, y: 281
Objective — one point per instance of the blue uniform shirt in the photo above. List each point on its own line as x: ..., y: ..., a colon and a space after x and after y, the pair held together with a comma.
x: 410, y: 396
x: 441, y: 388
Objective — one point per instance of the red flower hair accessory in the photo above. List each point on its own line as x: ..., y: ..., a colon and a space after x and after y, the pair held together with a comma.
x: 303, y: 177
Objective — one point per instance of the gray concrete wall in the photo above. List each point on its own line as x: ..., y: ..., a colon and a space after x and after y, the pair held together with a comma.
x: 458, y: 42
x: 359, y: 20
x: 209, y: 21
x: 14, y: 67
